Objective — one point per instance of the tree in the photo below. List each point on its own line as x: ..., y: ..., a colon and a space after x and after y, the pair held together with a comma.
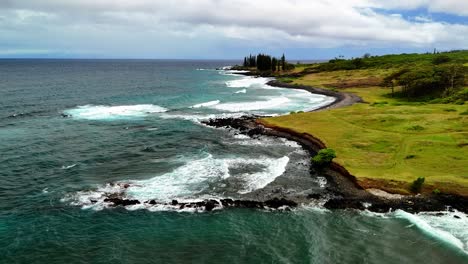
x: 391, y: 80
x: 323, y: 158
x: 450, y: 77
x: 283, y: 62
x: 274, y: 64
x: 416, y: 186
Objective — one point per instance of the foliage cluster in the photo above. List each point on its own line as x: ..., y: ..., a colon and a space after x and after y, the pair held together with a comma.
x: 416, y: 186
x: 390, y: 61
x: 437, y: 81
x: 265, y: 62
x: 323, y: 158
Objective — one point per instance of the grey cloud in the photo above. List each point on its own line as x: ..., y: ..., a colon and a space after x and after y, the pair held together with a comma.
x: 326, y: 23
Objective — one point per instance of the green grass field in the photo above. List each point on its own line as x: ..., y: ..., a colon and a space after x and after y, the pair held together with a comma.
x: 387, y: 142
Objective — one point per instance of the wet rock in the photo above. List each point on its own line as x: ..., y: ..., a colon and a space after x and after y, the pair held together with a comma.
x: 315, y: 196
x: 277, y: 203
x: 227, y: 202
x: 344, y: 203
x: 210, y: 205
x: 174, y: 202
x: 121, y: 202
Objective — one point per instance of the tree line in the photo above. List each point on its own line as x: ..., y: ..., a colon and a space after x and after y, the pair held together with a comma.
x: 442, y: 78
x: 263, y: 62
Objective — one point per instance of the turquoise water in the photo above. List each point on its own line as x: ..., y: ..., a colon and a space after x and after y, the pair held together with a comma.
x: 74, y: 131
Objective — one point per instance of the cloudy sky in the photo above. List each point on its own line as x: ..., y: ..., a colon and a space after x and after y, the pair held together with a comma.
x: 228, y: 29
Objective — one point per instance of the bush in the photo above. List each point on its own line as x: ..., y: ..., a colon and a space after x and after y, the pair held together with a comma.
x: 415, y: 128
x: 416, y: 186
x: 450, y: 110
x: 436, y: 191
x: 323, y: 158
x: 441, y: 59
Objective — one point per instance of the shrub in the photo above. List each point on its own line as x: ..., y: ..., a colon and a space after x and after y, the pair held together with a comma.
x: 411, y: 156
x: 441, y: 59
x: 450, y: 110
x: 416, y: 186
x: 416, y: 128
x: 436, y: 191
x: 464, y: 113
x: 323, y: 158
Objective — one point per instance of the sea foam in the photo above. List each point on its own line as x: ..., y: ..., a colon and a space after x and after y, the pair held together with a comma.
x: 446, y: 228
x: 193, y: 180
x: 272, y: 103
x: 247, y: 82
x: 102, y: 112
x: 210, y: 103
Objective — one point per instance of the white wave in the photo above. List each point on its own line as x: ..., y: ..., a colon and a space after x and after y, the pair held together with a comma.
x: 102, y: 112
x: 248, y: 81
x: 197, y: 118
x: 447, y: 228
x: 210, y: 103
x: 245, y: 140
x: 272, y: 103
x: 274, y: 169
x: 68, y: 167
x: 194, y: 180
x: 241, y: 91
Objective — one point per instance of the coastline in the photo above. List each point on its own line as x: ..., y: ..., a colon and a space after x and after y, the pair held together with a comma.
x: 345, y: 190
x: 341, y: 99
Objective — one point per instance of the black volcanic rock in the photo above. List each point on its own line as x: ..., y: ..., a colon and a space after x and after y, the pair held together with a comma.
x: 277, y: 203
x: 121, y: 202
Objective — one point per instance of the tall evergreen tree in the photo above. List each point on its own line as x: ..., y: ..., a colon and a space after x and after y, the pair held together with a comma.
x: 283, y: 62
x: 274, y: 63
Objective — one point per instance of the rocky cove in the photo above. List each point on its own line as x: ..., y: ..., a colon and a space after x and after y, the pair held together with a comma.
x: 341, y: 192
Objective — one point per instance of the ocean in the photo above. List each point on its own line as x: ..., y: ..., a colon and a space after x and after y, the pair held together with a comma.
x: 73, y: 132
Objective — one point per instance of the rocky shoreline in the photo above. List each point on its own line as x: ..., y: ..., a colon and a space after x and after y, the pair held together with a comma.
x: 342, y: 191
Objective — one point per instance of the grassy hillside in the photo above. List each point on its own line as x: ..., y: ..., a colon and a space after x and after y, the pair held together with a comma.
x: 388, y: 142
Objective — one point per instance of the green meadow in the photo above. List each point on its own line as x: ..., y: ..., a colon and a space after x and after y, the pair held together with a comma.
x: 389, y: 141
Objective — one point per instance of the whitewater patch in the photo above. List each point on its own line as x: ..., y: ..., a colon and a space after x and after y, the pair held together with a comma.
x: 193, y: 180
x: 64, y: 167
x: 274, y: 169
x: 198, y: 118
x: 207, y: 104
x: 446, y: 227
x: 241, y: 91
x: 245, y: 140
x: 248, y: 81
x: 272, y: 103
x: 102, y: 112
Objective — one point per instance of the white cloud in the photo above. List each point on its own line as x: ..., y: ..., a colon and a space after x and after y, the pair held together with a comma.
x: 165, y: 25
x: 457, y: 7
